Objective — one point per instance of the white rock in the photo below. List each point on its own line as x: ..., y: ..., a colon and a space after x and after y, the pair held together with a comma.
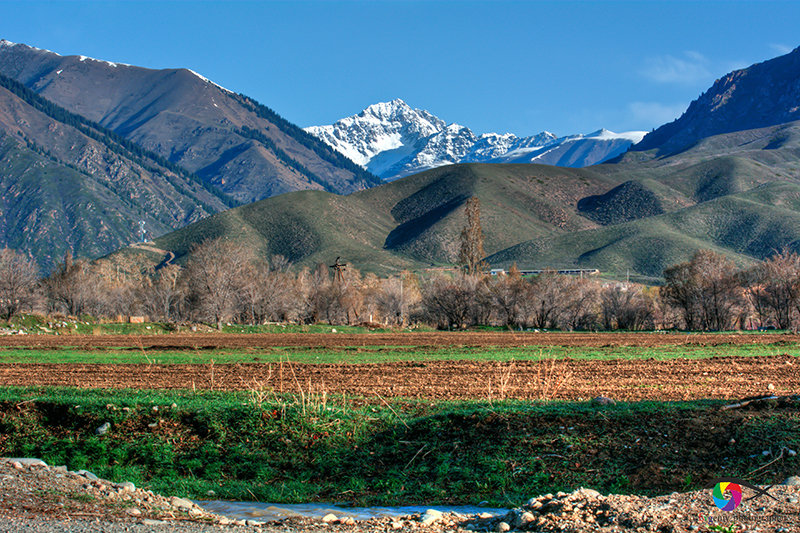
x: 330, y: 517
x: 26, y: 461
x: 502, y: 527
x: 88, y: 475
x: 430, y: 516
x: 180, y: 503
x: 587, y: 493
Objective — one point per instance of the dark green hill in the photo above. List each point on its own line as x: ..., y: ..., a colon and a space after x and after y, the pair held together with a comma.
x: 745, y: 226
x: 409, y: 223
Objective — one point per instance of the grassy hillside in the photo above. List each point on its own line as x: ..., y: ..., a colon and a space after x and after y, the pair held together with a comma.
x: 738, y: 194
x: 746, y: 227
x: 409, y: 223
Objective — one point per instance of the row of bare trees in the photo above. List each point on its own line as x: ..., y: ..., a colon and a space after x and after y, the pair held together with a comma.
x: 225, y: 282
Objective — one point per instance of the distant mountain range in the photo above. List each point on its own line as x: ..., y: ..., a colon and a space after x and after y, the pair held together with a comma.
x: 88, y: 148
x: 393, y: 140
x: 229, y: 140
x: 737, y: 193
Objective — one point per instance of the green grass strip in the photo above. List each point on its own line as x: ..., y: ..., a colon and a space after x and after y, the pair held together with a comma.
x: 385, y: 354
x: 290, y: 448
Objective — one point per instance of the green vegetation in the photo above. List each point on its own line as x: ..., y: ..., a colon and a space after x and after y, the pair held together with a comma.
x: 89, y: 325
x: 137, y: 354
x: 651, y: 213
x: 261, y: 446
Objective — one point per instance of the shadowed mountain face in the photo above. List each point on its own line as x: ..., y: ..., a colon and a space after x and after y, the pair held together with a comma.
x: 243, y: 148
x: 67, y: 184
x: 628, y: 201
x: 764, y: 94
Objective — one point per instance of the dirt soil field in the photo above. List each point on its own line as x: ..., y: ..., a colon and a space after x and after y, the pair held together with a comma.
x: 227, y: 340
x: 674, y: 379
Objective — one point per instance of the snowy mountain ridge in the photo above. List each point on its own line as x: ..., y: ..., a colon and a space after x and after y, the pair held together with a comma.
x: 392, y: 140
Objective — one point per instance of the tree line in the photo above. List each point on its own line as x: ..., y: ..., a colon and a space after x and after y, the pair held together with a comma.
x: 223, y: 282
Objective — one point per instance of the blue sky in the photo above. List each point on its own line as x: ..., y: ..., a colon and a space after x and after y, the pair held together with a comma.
x: 519, y: 67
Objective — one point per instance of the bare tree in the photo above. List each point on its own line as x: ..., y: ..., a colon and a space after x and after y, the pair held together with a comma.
x: 119, y: 280
x: 780, y: 287
x: 625, y: 307
x: 19, y: 277
x: 336, y: 300
x: 448, y: 302
x: 471, y: 254
x: 579, y: 303
x: 719, y: 290
x: 544, y: 303
x: 216, y: 274
x: 390, y: 303
x: 162, y: 293
x: 72, y: 288
x: 753, y: 282
x: 705, y: 290
x: 507, y: 296
x: 681, y: 291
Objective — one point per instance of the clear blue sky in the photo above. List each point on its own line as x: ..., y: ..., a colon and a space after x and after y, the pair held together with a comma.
x: 519, y: 67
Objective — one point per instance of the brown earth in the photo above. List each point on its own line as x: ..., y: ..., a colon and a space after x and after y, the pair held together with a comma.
x: 229, y: 340
x: 674, y: 379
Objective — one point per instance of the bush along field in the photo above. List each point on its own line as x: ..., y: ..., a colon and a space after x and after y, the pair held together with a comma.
x: 310, y: 446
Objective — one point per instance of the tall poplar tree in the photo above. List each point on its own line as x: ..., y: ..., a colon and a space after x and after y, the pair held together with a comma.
x: 472, y: 253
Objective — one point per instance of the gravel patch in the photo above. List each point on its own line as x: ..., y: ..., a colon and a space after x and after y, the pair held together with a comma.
x: 38, y: 498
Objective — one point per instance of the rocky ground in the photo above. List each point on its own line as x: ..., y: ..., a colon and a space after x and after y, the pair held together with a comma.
x: 35, y: 497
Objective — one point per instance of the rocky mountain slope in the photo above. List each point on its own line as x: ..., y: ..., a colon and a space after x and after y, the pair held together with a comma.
x: 229, y: 140
x: 68, y: 184
x: 764, y: 94
x: 393, y: 140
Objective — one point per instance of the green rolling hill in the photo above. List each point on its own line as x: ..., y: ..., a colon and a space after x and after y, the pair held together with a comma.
x: 637, y: 215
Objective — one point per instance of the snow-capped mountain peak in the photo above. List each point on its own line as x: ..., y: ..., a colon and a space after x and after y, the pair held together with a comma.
x: 392, y: 140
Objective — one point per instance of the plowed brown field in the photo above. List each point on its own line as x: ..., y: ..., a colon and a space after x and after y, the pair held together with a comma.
x: 674, y: 379
x: 224, y: 340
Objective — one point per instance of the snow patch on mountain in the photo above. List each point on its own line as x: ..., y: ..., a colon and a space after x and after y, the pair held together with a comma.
x: 392, y: 140
x: 203, y: 78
